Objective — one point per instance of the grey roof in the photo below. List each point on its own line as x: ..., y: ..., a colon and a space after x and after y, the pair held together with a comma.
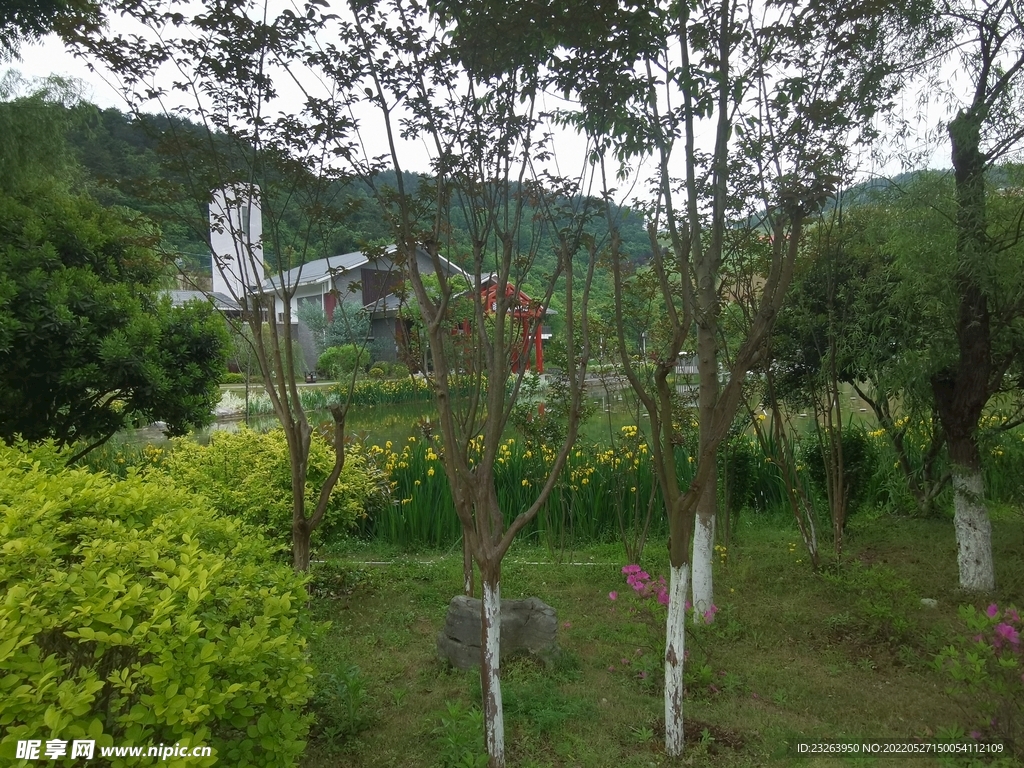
x: 323, y: 269
x: 390, y: 303
x: 318, y: 271
x: 219, y: 300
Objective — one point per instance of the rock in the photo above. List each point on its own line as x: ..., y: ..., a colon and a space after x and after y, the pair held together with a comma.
x: 527, y: 626
x: 928, y: 602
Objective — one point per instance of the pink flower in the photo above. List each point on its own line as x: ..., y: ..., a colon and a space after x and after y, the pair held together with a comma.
x: 624, y: 661
x: 1012, y: 615
x: 567, y: 625
x: 992, y: 611
x: 1008, y: 633
x: 687, y: 605
x: 975, y: 735
x: 663, y: 597
x: 642, y: 675
x: 629, y: 570
x: 611, y: 667
x: 613, y: 596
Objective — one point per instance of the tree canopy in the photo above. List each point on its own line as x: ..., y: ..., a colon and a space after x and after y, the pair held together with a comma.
x: 87, y: 345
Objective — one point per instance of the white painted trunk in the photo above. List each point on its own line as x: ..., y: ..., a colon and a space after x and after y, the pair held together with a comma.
x: 494, y: 717
x: 675, y: 642
x: 973, y: 531
x: 703, y: 556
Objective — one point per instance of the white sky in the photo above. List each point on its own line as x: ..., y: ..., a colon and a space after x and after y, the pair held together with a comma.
x: 50, y: 56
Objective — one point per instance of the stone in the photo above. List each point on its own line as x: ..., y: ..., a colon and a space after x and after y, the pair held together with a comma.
x: 527, y: 627
x: 929, y: 602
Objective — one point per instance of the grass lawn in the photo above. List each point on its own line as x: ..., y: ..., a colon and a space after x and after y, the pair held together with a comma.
x: 792, y: 655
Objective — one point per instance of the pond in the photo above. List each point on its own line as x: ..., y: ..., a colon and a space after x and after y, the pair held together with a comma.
x: 377, y: 424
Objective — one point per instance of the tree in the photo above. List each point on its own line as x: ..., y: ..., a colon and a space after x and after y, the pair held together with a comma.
x: 87, y: 346
x: 34, y: 119
x: 760, y: 108
x: 239, y: 152
x: 31, y: 19
x: 857, y: 305
x: 823, y: 339
x: 486, y: 143
x: 986, y: 39
x: 973, y: 303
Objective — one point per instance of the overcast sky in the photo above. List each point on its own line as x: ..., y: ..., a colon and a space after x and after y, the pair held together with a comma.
x: 50, y: 56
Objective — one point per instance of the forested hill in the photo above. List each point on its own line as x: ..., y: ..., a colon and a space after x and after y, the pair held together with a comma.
x: 128, y: 162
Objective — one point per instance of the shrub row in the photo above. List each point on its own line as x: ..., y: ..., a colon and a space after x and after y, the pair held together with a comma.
x: 132, y: 614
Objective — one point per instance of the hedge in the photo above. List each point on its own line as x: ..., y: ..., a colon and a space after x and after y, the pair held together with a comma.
x: 132, y: 614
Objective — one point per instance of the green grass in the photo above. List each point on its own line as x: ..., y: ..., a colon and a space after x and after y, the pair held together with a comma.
x: 791, y: 655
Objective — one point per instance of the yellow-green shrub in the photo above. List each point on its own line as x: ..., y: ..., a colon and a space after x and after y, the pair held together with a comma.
x: 248, y: 474
x: 133, y: 615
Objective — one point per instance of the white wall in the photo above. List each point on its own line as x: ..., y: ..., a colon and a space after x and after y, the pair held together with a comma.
x: 236, y: 239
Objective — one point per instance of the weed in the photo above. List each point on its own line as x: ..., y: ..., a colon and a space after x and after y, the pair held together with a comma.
x: 460, y: 736
x: 642, y: 734
x: 337, y: 700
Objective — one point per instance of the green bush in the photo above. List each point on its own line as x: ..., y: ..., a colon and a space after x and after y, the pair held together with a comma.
x: 377, y: 372
x: 248, y: 474
x: 399, y: 370
x: 859, y: 463
x: 335, y: 362
x: 233, y: 378
x: 132, y: 614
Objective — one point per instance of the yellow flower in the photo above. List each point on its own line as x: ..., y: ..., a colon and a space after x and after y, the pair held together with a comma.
x: 526, y: 483
x: 430, y: 472
x: 416, y: 482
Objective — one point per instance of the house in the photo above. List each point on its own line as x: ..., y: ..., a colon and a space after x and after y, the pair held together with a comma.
x: 375, y: 283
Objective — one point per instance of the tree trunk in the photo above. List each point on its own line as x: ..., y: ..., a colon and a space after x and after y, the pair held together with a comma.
x: 707, y: 504
x: 300, y: 545
x: 675, y: 641
x: 490, y: 644
x: 703, y: 558
x: 962, y: 390
x: 973, y: 531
